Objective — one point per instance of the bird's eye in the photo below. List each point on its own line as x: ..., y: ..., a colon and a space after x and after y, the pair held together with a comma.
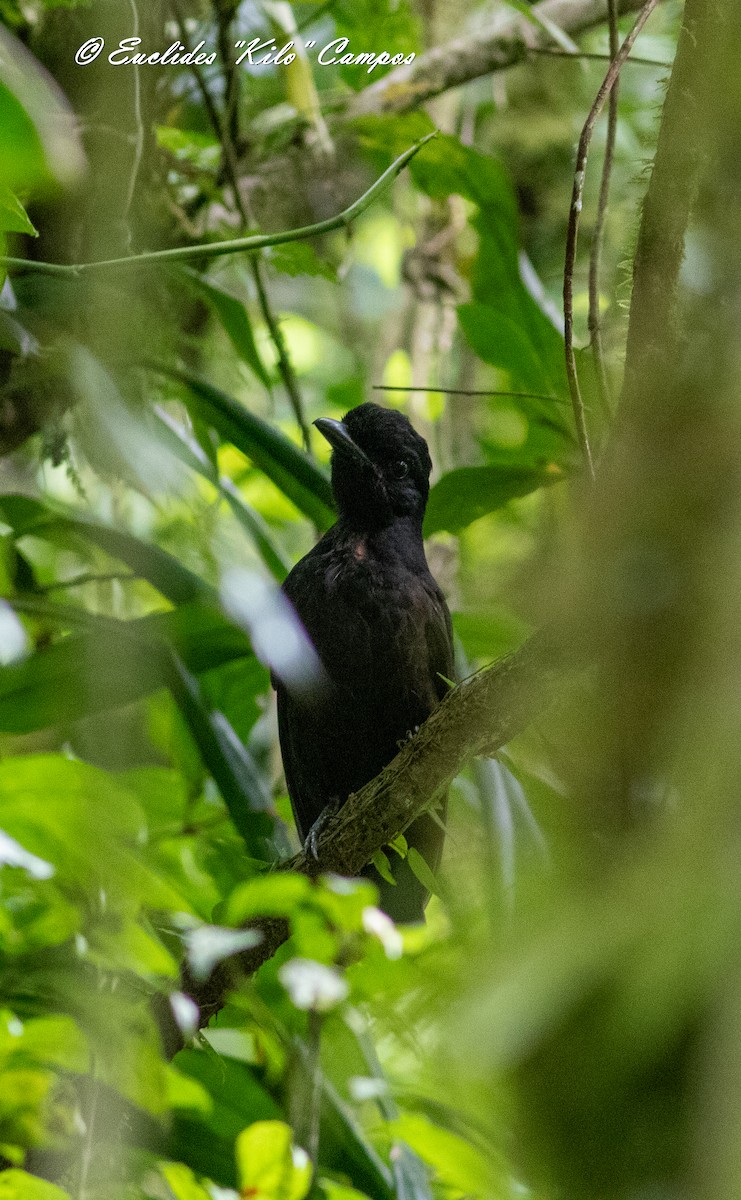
x: 399, y: 469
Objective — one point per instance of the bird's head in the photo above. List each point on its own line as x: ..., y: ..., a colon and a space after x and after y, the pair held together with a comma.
x: 380, y: 466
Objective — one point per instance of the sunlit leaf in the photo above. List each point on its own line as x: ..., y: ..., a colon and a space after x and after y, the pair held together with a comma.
x: 18, y: 1185
x: 270, y: 1166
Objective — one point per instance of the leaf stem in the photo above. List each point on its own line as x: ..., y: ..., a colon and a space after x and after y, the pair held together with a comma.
x: 234, y: 245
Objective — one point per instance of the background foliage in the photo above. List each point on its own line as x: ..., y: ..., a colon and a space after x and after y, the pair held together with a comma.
x: 566, y: 1023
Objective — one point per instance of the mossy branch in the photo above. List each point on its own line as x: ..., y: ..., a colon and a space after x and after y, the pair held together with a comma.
x: 478, y: 717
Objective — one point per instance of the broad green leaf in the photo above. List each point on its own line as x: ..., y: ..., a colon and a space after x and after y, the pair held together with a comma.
x: 497, y: 340
x: 462, y: 496
x: 114, y: 436
x: 19, y: 1185
x: 13, y: 216
x: 186, y: 1093
x: 290, y: 469
x: 25, y: 1097
x: 234, y: 317
x: 116, y: 662
x: 276, y: 895
x: 422, y: 871
x: 270, y: 1166
x: 52, y: 1041
x: 28, y: 517
x: 448, y: 167
x: 86, y: 824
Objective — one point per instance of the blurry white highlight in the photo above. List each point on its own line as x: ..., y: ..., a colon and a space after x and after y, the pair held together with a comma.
x: 312, y: 986
x: 13, y: 638
x: 278, y: 637
x: 379, y: 925
x: 12, y: 854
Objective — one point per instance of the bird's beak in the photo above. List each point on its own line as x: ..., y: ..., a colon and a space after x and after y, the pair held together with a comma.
x: 340, y: 440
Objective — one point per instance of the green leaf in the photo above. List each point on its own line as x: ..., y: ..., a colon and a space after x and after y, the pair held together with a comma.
x: 458, y: 1165
x: 182, y: 1182
x: 464, y: 495
x: 233, y: 316
x: 206, y: 1144
x: 300, y: 258
x: 116, y: 662
x: 228, y: 761
x: 40, y: 144
x: 290, y: 469
x: 18, y: 1185
x: 113, y: 435
x: 190, y: 452
x: 270, y: 1167
x: 339, y: 1191
x: 422, y: 871
x: 52, y: 1041
x: 27, y: 517
x: 13, y: 216
x: 499, y: 341
x: 383, y: 866
x: 82, y: 821
x: 277, y: 895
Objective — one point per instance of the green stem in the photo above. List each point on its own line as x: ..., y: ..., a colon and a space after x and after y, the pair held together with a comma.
x: 234, y: 246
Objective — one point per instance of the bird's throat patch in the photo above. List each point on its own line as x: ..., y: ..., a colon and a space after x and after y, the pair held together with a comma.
x: 360, y: 550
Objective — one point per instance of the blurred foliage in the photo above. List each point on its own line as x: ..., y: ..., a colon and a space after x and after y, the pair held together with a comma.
x: 566, y: 1023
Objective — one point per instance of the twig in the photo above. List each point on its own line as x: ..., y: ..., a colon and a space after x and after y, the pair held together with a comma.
x: 234, y: 245
x: 385, y: 387
x: 573, y: 229
x: 594, y: 321
x: 634, y: 60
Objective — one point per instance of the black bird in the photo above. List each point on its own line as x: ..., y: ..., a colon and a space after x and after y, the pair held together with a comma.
x: 381, y: 628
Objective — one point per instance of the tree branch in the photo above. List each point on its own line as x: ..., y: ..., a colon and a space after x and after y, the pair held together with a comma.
x: 507, y: 41
x: 478, y: 717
